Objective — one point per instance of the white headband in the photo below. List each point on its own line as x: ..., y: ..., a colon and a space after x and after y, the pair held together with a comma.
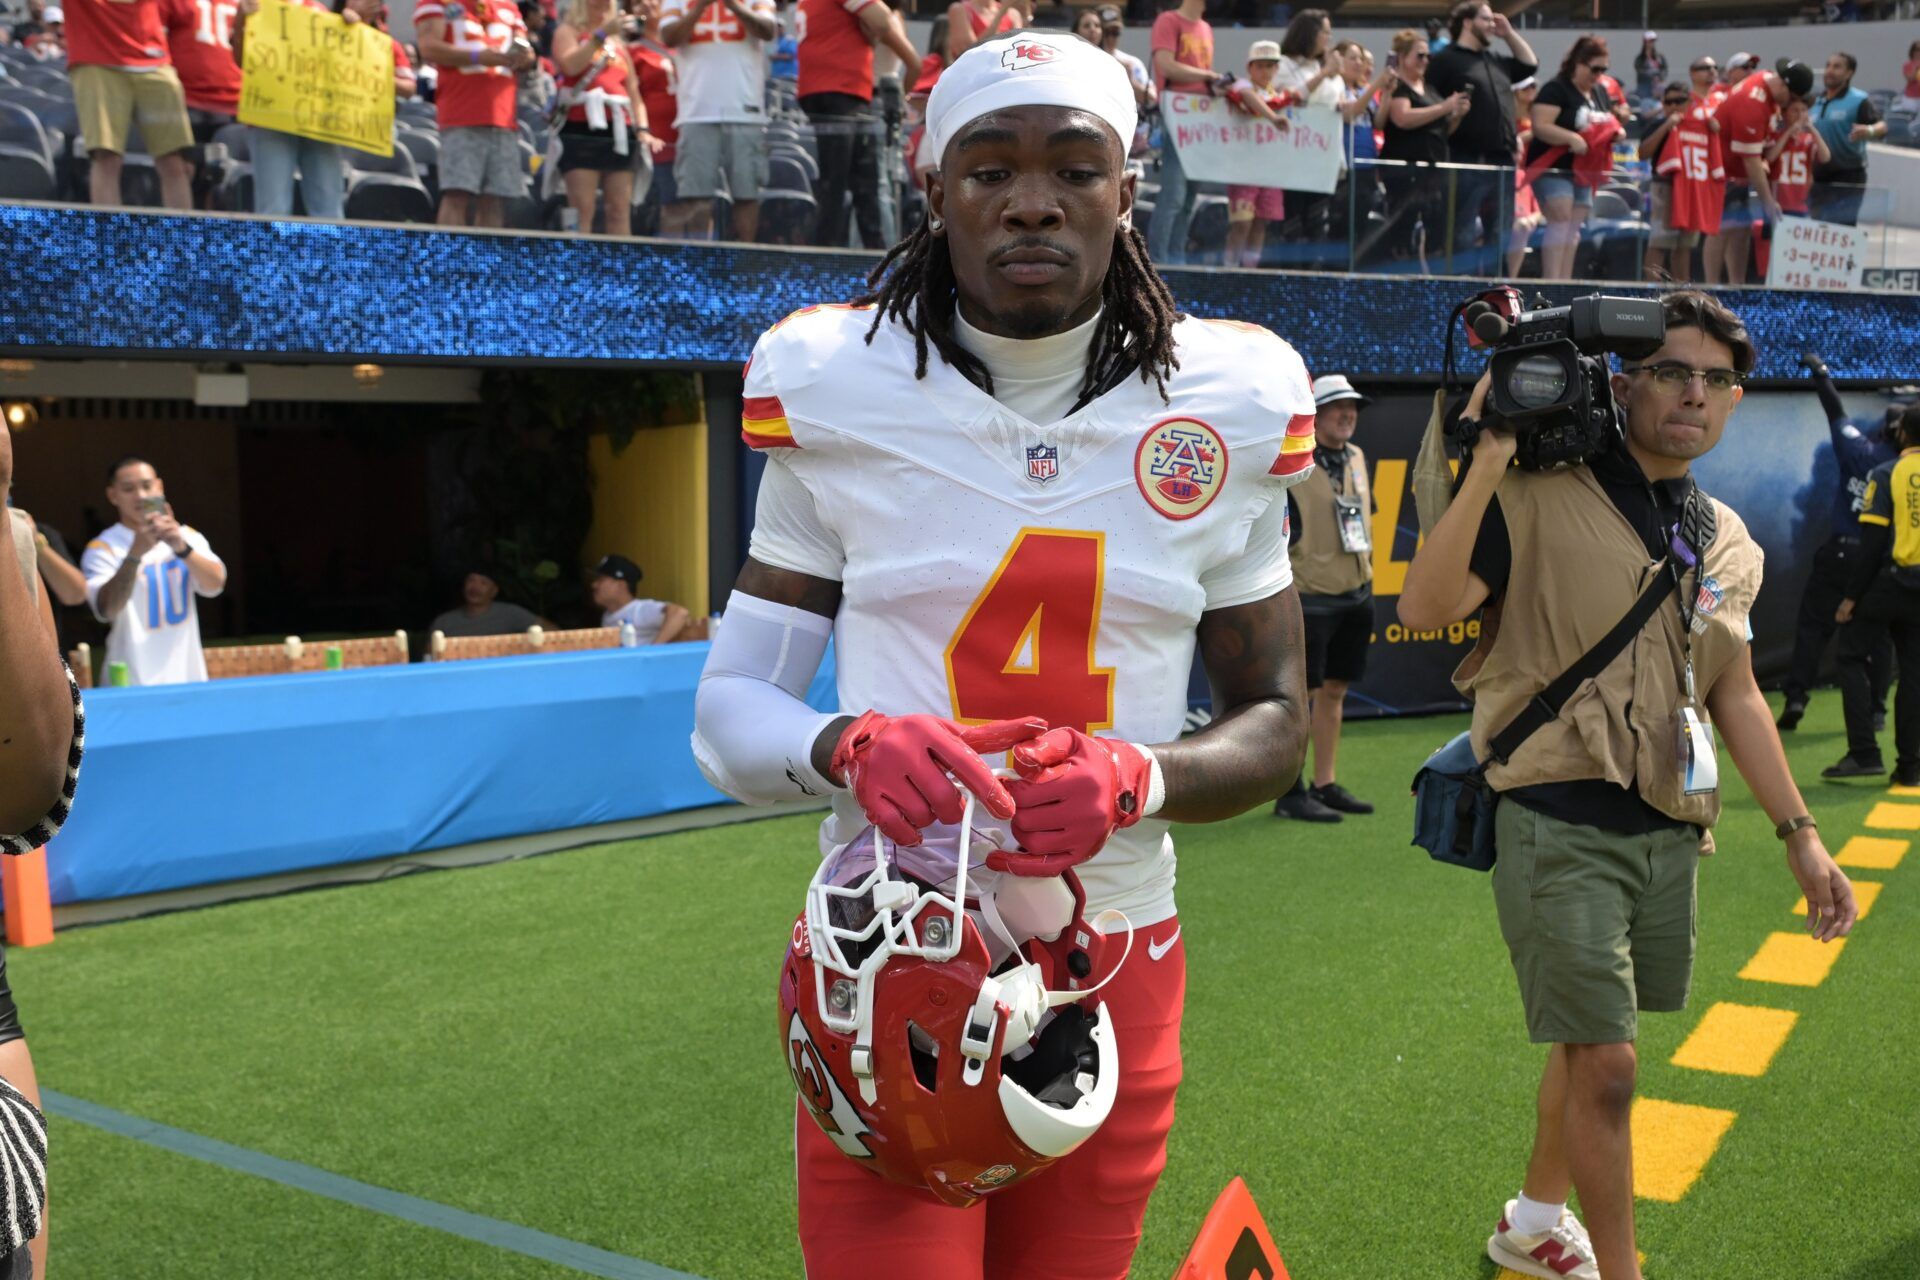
x: 1030, y: 69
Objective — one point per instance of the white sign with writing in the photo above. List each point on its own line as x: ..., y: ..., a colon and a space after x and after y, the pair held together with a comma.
x: 1219, y: 144
x: 1806, y: 254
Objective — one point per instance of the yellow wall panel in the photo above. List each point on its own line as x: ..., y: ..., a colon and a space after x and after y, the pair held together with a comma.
x: 650, y: 503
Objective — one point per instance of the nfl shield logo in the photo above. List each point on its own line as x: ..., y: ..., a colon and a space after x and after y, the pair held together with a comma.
x: 1709, y: 597
x: 1043, y: 462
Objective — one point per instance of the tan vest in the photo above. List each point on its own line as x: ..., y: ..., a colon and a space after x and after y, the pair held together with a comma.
x: 1578, y: 566
x: 23, y: 548
x: 1321, y: 565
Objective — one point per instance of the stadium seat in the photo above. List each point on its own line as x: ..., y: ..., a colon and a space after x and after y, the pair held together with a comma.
x: 1634, y: 198
x: 1207, y: 233
x: 388, y: 197
x: 20, y: 129
x: 425, y: 150
x: 1609, y: 206
x: 237, y: 139
x: 25, y: 174
x: 399, y: 163
x: 234, y: 194
x: 526, y: 213
x: 787, y: 215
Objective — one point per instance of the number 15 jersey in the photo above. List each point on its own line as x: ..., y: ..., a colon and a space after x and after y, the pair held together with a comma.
x: 994, y: 567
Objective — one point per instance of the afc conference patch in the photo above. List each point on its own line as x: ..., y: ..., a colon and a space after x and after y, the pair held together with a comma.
x: 1043, y: 462
x: 1180, y: 465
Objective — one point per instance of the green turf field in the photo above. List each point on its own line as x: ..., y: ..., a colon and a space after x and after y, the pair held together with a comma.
x: 586, y: 1044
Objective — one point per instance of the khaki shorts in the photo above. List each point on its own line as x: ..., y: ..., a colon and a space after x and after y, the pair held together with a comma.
x: 706, y: 152
x: 110, y: 99
x: 1664, y: 236
x: 1600, y: 925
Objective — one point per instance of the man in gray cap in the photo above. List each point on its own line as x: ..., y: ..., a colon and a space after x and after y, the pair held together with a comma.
x: 1331, y: 518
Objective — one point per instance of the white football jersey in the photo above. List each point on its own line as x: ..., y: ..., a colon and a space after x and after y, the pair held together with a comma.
x: 994, y: 567
x: 157, y: 634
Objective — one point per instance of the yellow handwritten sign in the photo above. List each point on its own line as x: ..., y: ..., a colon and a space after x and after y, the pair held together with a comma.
x: 308, y: 73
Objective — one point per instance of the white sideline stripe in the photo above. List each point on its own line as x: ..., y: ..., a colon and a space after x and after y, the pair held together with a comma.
x: 510, y: 1236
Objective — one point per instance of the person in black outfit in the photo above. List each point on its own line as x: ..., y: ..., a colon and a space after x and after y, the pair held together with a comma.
x: 1857, y: 449
x: 1883, y: 597
x: 1561, y: 112
x: 1416, y: 122
x: 1486, y: 134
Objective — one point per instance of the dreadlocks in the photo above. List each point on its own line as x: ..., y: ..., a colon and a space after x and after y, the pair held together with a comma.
x: 914, y: 284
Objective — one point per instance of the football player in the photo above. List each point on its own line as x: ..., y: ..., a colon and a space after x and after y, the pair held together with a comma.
x: 1017, y: 487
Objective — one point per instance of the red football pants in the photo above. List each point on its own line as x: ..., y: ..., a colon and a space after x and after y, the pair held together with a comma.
x: 1079, y: 1220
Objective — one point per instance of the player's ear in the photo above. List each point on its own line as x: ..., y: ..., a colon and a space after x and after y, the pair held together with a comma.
x: 1127, y: 182
x: 936, y: 203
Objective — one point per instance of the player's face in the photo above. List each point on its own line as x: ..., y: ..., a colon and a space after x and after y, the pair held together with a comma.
x: 1679, y: 425
x: 1333, y: 424
x: 1031, y: 198
x: 130, y: 484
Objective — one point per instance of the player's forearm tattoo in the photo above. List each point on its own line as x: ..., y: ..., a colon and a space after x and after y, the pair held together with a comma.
x: 1251, y: 752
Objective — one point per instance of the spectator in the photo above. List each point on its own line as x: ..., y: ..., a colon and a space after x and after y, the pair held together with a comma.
x: 117, y: 61
x: 1746, y: 120
x: 143, y: 575
x: 1669, y: 248
x: 1649, y: 67
x: 1357, y: 197
x: 659, y: 80
x: 1251, y: 208
x: 723, y: 117
x: 605, y: 125
x: 276, y: 156
x: 1910, y: 71
x: 1416, y: 124
x: 1793, y: 157
x: 1308, y: 69
x: 836, y: 92
x: 1330, y: 519
x: 1437, y: 38
x: 480, y: 47
x: 200, y: 42
x: 1485, y: 135
x: 1561, y: 114
x: 1738, y: 67
x: 540, y: 25
x: 482, y: 612
x: 783, y: 63
x: 1112, y: 25
x: 1847, y: 120
x: 1182, y: 50
x: 1527, y: 217
x: 653, y: 621
x: 968, y: 25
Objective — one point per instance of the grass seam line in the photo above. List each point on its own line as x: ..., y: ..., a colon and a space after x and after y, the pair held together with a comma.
x: 509, y: 1236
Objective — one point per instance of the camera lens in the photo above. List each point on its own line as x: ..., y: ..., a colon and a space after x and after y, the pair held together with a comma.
x: 1537, y: 382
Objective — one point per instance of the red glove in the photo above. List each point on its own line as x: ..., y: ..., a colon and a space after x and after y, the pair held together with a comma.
x: 1073, y: 792
x: 897, y: 768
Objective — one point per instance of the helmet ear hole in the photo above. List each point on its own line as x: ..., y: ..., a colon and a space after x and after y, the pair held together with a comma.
x: 1064, y: 1061
x: 925, y: 1052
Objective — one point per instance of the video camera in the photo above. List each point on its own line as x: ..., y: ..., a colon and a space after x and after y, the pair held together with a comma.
x: 1550, y: 381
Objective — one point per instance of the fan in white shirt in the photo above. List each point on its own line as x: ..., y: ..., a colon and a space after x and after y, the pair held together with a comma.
x: 653, y: 621
x: 143, y: 577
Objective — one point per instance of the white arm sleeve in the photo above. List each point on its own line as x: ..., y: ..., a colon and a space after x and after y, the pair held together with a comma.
x: 1263, y: 569
x: 753, y: 732
x: 788, y: 532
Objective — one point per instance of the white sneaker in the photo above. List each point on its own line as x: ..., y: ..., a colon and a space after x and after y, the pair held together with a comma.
x: 1562, y: 1253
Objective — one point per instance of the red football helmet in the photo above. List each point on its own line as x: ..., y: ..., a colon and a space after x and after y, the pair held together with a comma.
x: 934, y: 1017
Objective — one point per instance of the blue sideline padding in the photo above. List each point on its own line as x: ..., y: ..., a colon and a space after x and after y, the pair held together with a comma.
x: 196, y: 784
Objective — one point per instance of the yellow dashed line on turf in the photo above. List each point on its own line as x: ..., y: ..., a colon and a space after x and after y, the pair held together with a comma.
x: 1864, y: 893
x: 1895, y: 817
x: 1672, y: 1142
x: 1736, y: 1039
x: 1874, y: 853
x: 1793, y: 959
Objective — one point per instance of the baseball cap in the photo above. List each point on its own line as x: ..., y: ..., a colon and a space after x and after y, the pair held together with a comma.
x: 1334, y: 387
x: 1030, y: 69
x: 1111, y: 16
x: 51, y: 14
x: 1264, y: 51
x: 617, y: 567
x: 1742, y: 60
x: 1649, y: 35
x: 1798, y: 76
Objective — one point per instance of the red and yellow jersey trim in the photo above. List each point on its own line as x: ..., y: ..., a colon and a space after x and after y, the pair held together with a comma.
x: 763, y: 424
x: 1296, y: 449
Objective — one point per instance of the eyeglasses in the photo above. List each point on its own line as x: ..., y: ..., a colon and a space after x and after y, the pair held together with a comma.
x: 1598, y: 69
x: 1675, y: 102
x: 1418, y: 57
x: 1672, y: 377
x: 1703, y: 66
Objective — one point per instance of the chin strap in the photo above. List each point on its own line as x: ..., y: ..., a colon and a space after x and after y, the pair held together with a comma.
x: 1010, y: 1008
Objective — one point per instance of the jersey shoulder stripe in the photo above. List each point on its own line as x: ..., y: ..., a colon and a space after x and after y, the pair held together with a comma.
x: 1296, y: 447
x: 790, y: 357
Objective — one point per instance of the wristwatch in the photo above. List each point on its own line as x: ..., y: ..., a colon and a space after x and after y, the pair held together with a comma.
x: 182, y: 552
x: 1804, y: 822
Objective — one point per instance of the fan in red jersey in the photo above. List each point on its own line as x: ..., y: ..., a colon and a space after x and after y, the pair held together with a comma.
x: 480, y: 47
x: 1746, y: 123
x: 1791, y: 158
x: 1019, y: 490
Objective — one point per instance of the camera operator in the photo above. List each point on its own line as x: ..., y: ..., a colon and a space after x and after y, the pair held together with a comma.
x: 1883, y: 597
x: 1600, y: 818
x: 143, y: 575
x: 1856, y: 451
x: 1330, y: 517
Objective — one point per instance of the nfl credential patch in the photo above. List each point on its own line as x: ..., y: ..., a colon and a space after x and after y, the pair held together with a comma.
x: 1180, y: 465
x: 1043, y: 462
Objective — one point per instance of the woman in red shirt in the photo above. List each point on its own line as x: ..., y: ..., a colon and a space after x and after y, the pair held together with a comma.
x: 606, y: 122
